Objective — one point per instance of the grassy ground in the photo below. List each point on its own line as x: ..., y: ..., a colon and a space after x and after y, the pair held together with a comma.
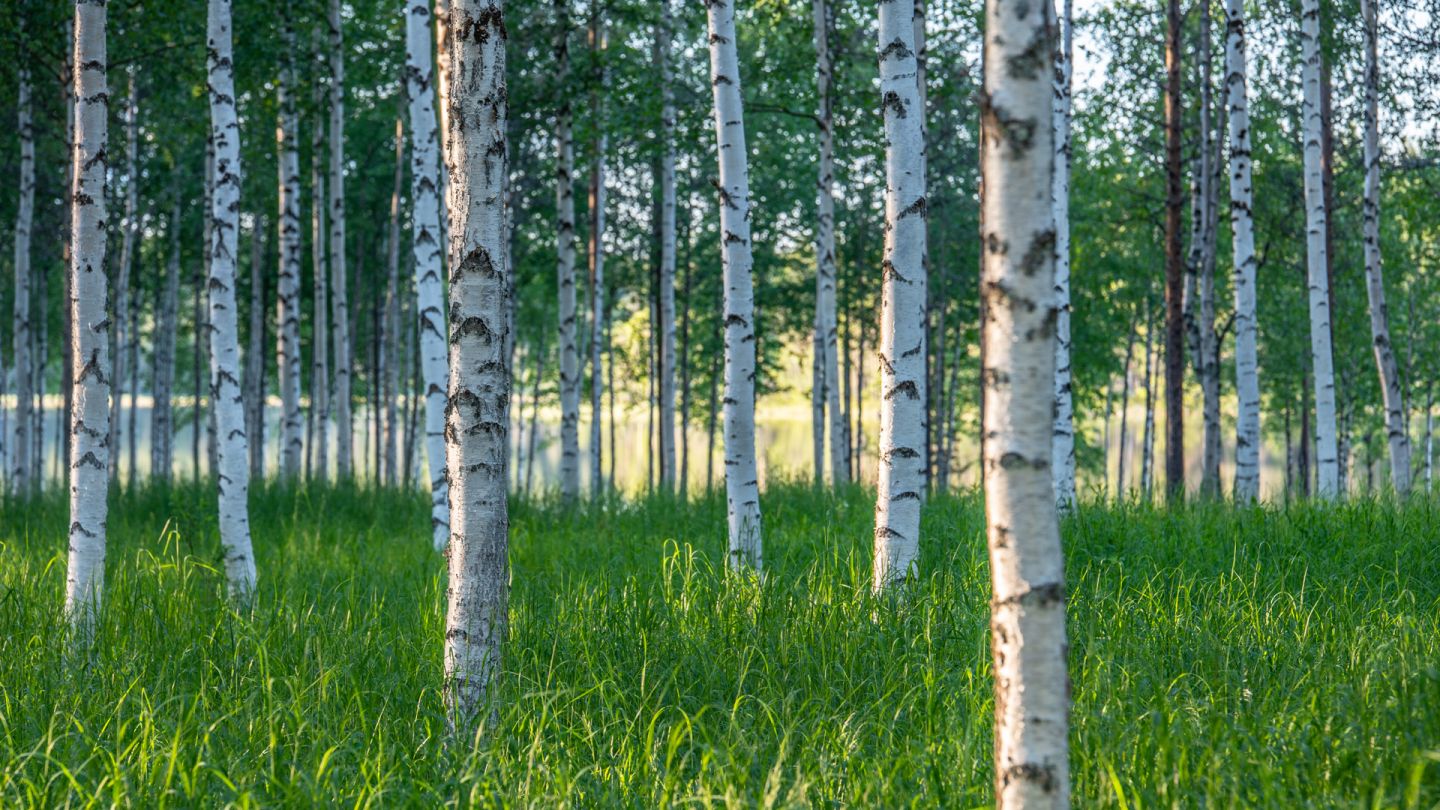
x: 1259, y: 658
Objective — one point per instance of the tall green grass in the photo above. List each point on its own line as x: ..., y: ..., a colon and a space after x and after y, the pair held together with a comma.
x: 1221, y: 658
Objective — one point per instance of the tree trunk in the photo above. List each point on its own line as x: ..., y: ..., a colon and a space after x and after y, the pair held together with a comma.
x: 162, y: 414
x: 390, y: 322
x: 565, y: 267
x: 128, y: 231
x: 227, y: 402
x: 1394, y: 401
x: 1316, y: 216
x: 200, y: 356
x: 1064, y: 431
x: 1429, y: 437
x: 825, y: 394
x: 599, y: 42
x: 426, y: 248
x: 684, y: 356
x: 339, y: 303
x: 1242, y: 230
x: 255, y: 354
x: 534, y: 418
x: 903, y: 420
x: 67, y: 347
x: 1147, y: 442
x: 1208, y: 361
x: 132, y: 350
x: 1125, y: 411
x: 478, y: 410
x: 1174, y: 265
x: 1105, y: 435
x: 742, y: 489
x: 287, y: 313
x: 319, y: 326
x: 22, y: 477
x: 667, y: 253
x: 89, y: 370
x: 1032, y: 689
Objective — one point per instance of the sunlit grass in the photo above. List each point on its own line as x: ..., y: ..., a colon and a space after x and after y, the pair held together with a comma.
x: 1254, y: 658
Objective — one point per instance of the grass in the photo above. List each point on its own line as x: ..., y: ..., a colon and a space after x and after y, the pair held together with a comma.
x: 1221, y: 658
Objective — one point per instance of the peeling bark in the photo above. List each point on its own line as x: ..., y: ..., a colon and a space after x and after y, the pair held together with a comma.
x: 1242, y: 230
x: 1064, y: 430
x: 287, y: 312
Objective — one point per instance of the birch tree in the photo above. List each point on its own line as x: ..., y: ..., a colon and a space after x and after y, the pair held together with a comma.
x: 287, y: 311
x: 89, y: 369
x: 255, y: 354
x: 228, y: 403
x: 1242, y: 230
x: 667, y: 357
x: 826, y: 392
x: 339, y: 302
x: 129, y: 229
x: 599, y: 41
x: 478, y: 412
x: 1027, y: 623
x: 1208, y: 358
x: 426, y: 251
x: 565, y: 265
x: 1174, y: 264
x: 20, y: 461
x: 1316, y: 216
x: 162, y: 414
x: 319, y: 324
x: 1395, y: 428
x: 1063, y: 451
x: 901, y: 479
x: 742, y: 490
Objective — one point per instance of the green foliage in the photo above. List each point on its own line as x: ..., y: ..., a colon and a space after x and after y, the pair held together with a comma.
x: 1220, y: 658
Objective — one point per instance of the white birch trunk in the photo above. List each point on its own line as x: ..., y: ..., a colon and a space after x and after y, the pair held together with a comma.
x: 901, y: 476
x: 477, y: 414
x: 742, y: 490
x: 390, y: 323
x: 319, y: 327
x: 1207, y: 360
x: 426, y: 250
x: 1032, y: 689
x: 667, y: 253
x: 20, y: 468
x: 228, y: 403
x: 255, y: 354
x: 1064, y: 430
x: 599, y: 42
x: 90, y: 362
x: 162, y: 413
x: 128, y: 231
x: 827, y: 359
x: 339, y: 298
x: 1374, y: 279
x: 1322, y: 360
x: 565, y: 266
x: 1242, y: 230
x: 287, y: 305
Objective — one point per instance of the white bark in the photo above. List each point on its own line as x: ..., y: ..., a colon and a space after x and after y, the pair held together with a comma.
x: 255, y: 354
x: 1242, y: 230
x: 128, y: 231
x: 1399, y: 439
x: 388, y: 365
x: 426, y: 250
x: 228, y: 403
x: 742, y: 490
x: 319, y: 326
x: 339, y: 298
x: 1208, y: 359
x: 1063, y: 450
x: 90, y: 362
x: 667, y: 253
x: 826, y: 397
x: 287, y: 306
x: 20, y: 468
x: 1322, y: 359
x: 162, y: 414
x: 599, y: 43
x: 477, y: 416
x: 901, y: 478
x: 565, y: 266
x: 1017, y: 282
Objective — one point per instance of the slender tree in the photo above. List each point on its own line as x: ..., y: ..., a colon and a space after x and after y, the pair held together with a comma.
x: 1242, y: 230
x: 1032, y: 689
x: 1207, y: 359
x: 1064, y: 438
x: 162, y: 414
x: 339, y: 298
x: 1316, y: 216
x: 129, y: 229
x: 21, y: 478
x: 226, y: 397
x: 825, y: 392
x: 901, y: 478
x: 742, y: 490
x: 287, y: 305
x: 255, y: 354
x: 599, y: 43
x: 478, y: 410
x: 666, y: 357
x: 1394, y: 400
x: 1174, y: 264
x: 89, y: 369
x: 319, y: 325
x: 565, y: 265
x: 426, y: 251
x: 390, y: 317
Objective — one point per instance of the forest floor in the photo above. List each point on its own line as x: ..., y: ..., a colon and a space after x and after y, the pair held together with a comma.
x: 1257, y: 658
